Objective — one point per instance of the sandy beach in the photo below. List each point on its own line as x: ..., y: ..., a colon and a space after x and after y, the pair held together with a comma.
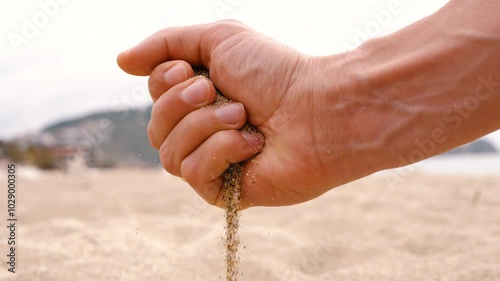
x: 147, y: 225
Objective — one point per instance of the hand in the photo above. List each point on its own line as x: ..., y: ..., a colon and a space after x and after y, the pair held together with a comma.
x: 307, y: 119
x: 393, y: 101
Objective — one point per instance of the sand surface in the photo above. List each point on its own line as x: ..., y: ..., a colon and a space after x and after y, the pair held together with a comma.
x: 146, y: 225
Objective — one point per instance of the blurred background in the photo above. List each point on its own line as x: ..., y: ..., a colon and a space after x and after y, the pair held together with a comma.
x: 96, y: 205
x: 64, y: 96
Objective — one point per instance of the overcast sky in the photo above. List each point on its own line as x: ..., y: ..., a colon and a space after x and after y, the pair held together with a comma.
x: 57, y: 57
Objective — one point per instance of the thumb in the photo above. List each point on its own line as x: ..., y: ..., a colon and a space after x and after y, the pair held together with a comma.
x: 193, y: 44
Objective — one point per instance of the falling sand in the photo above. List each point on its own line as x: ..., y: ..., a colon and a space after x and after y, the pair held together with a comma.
x: 233, y: 181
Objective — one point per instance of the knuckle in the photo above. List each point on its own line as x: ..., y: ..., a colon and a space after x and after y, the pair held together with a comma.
x: 221, y: 29
x: 167, y: 161
x: 190, y: 173
x: 160, y: 109
x: 153, y: 141
x: 152, y: 83
x: 155, y: 110
x: 229, y: 22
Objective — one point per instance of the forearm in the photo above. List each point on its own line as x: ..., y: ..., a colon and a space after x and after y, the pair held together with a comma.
x: 438, y: 81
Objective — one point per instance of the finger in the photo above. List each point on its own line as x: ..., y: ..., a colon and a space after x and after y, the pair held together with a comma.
x: 194, y: 129
x: 203, y: 168
x: 167, y: 75
x: 193, y: 44
x: 172, y: 106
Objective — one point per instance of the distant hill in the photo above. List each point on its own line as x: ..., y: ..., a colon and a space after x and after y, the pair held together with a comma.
x: 480, y: 146
x: 119, y: 138
x: 105, y: 139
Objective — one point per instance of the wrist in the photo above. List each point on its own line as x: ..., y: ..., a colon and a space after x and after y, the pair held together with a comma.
x: 349, y: 116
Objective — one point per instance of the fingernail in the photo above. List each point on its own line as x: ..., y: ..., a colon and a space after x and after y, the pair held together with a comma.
x: 253, y: 138
x: 176, y: 74
x: 230, y: 114
x: 196, y: 93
